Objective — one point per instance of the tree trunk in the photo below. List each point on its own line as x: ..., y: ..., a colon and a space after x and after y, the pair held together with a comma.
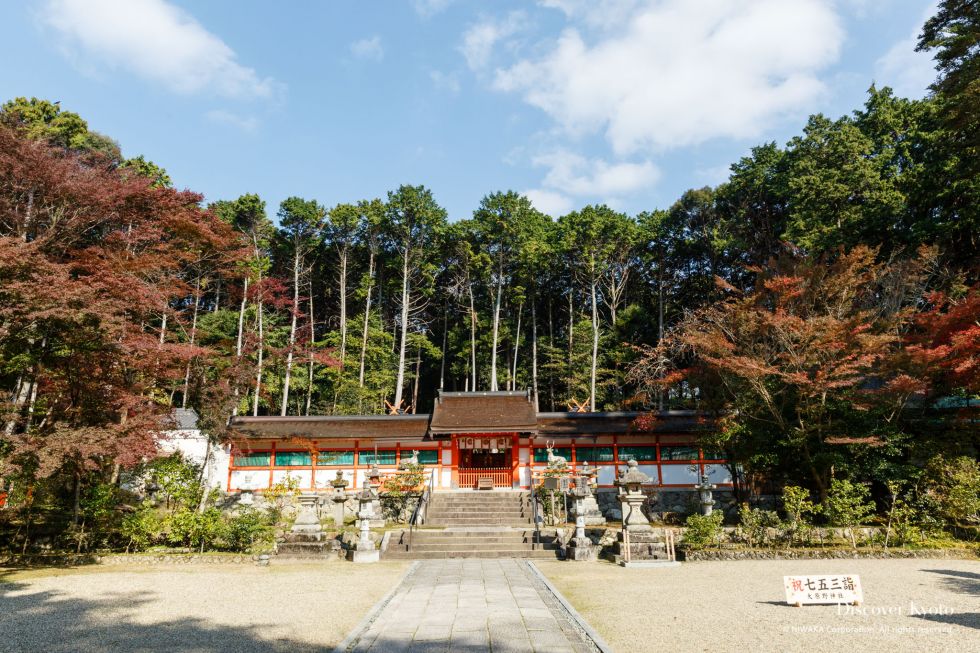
x: 496, y: 331
x: 571, y: 340
x: 534, y: 354
x: 22, y: 391
x: 292, y: 337
x: 400, y: 380
x: 415, y: 384
x: 472, y: 337
x: 343, y: 307
x: 517, y: 345
x: 260, y: 353
x: 595, y: 348
x: 660, y: 329
x: 445, y: 332
x: 309, y: 385
x: 367, y: 316
x: 187, y: 370
x: 241, y: 330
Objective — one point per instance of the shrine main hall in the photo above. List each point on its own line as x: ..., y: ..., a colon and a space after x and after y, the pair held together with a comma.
x: 471, y: 438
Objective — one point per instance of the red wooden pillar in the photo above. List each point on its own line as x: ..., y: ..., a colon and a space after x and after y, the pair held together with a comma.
x: 515, y: 460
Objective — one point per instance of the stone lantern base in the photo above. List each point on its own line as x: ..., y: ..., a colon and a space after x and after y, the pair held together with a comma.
x: 366, y: 555
x: 590, y: 510
x: 581, y: 549
x: 646, y: 545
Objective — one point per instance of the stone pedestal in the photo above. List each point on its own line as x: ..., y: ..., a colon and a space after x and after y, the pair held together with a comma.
x: 364, y: 549
x: 647, y: 545
x: 305, y: 538
x: 590, y: 510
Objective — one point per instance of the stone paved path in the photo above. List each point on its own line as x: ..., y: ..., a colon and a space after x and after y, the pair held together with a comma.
x: 473, y: 605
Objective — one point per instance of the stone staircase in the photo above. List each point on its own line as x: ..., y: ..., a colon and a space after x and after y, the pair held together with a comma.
x: 487, y: 524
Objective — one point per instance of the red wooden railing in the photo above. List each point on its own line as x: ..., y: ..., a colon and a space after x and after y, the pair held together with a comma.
x: 468, y: 477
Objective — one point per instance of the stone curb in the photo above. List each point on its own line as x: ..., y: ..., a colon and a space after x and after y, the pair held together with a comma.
x: 572, y: 612
x: 355, y: 634
x: 841, y: 554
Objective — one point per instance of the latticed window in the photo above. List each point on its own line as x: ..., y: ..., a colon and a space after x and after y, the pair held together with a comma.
x: 541, y: 455
x: 252, y: 459
x: 333, y: 458
x: 426, y: 456
x: 384, y: 457
x: 678, y: 453
x: 292, y: 458
x: 594, y: 454
x: 639, y: 454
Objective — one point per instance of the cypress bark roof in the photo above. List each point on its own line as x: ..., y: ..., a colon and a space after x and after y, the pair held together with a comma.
x: 483, y: 412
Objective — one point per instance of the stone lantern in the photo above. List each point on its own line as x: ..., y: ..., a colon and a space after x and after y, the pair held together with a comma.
x: 704, y: 489
x: 581, y: 546
x: 306, y: 520
x: 638, y: 544
x: 364, y: 549
x: 339, y: 498
x: 373, y: 484
x: 589, y: 505
x: 631, y: 496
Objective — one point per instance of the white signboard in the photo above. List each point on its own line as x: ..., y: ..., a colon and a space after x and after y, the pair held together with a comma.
x: 832, y: 589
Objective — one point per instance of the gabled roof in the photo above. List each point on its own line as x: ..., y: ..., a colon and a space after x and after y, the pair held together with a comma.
x: 483, y: 412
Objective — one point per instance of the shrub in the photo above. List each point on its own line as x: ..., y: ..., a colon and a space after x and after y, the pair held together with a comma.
x: 954, y: 488
x: 754, y: 524
x: 197, y: 529
x: 702, y: 531
x: 246, y: 529
x: 280, y: 496
x: 848, y: 505
x: 799, y: 510
x: 142, y: 527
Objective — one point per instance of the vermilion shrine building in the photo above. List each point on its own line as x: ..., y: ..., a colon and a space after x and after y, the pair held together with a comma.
x: 469, y: 436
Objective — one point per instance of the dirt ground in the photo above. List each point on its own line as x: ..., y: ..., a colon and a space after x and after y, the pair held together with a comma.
x: 909, y: 605
x: 192, y: 608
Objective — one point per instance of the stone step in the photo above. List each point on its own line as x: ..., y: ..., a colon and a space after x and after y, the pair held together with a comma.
x: 478, y: 546
x: 472, y: 541
x: 485, y: 536
x: 436, y: 555
x: 513, y: 523
x: 452, y: 514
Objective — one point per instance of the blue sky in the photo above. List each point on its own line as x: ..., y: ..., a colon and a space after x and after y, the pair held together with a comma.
x: 628, y: 102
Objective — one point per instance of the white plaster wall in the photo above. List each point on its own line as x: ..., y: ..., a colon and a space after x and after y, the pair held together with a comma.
x: 304, y: 477
x: 447, y: 456
x: 249, y: 479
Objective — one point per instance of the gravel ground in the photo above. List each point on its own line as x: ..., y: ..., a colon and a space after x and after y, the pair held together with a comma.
x: 234, y: 608
x: 740, y: 606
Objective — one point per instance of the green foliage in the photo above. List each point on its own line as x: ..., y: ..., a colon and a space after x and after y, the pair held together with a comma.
x: 176, y: 481
x: 799, y: 512
x: 247, y: 530
x: 848, y: 504
x: 142, y: 527
x: 953, y: 486
x: 756, y: 525
x: 702, y: 531
x: 280, y: 496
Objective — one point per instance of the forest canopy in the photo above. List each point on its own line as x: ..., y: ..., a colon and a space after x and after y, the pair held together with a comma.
x: 822, y: 302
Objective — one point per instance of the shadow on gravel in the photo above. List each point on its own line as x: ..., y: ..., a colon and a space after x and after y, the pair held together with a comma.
x: 962, y: 582
x: 32, y: 621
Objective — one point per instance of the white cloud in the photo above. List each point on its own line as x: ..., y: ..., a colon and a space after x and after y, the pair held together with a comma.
x: 157, y: 41
x: 479, y: 39
x: 680, y: 72
x: 575, y: 175
x: 245, y: 123
x: 595, y: 13
x: 908, y: 72
x: 426, y: 8
x: 368, y: 48
x: 445, y: 81
x: 549, y: 202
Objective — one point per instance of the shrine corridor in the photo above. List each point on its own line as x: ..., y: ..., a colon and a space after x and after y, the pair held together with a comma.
x: 472, y: 605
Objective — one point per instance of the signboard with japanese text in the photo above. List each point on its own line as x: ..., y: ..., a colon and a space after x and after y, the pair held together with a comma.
x: 831, y: 589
